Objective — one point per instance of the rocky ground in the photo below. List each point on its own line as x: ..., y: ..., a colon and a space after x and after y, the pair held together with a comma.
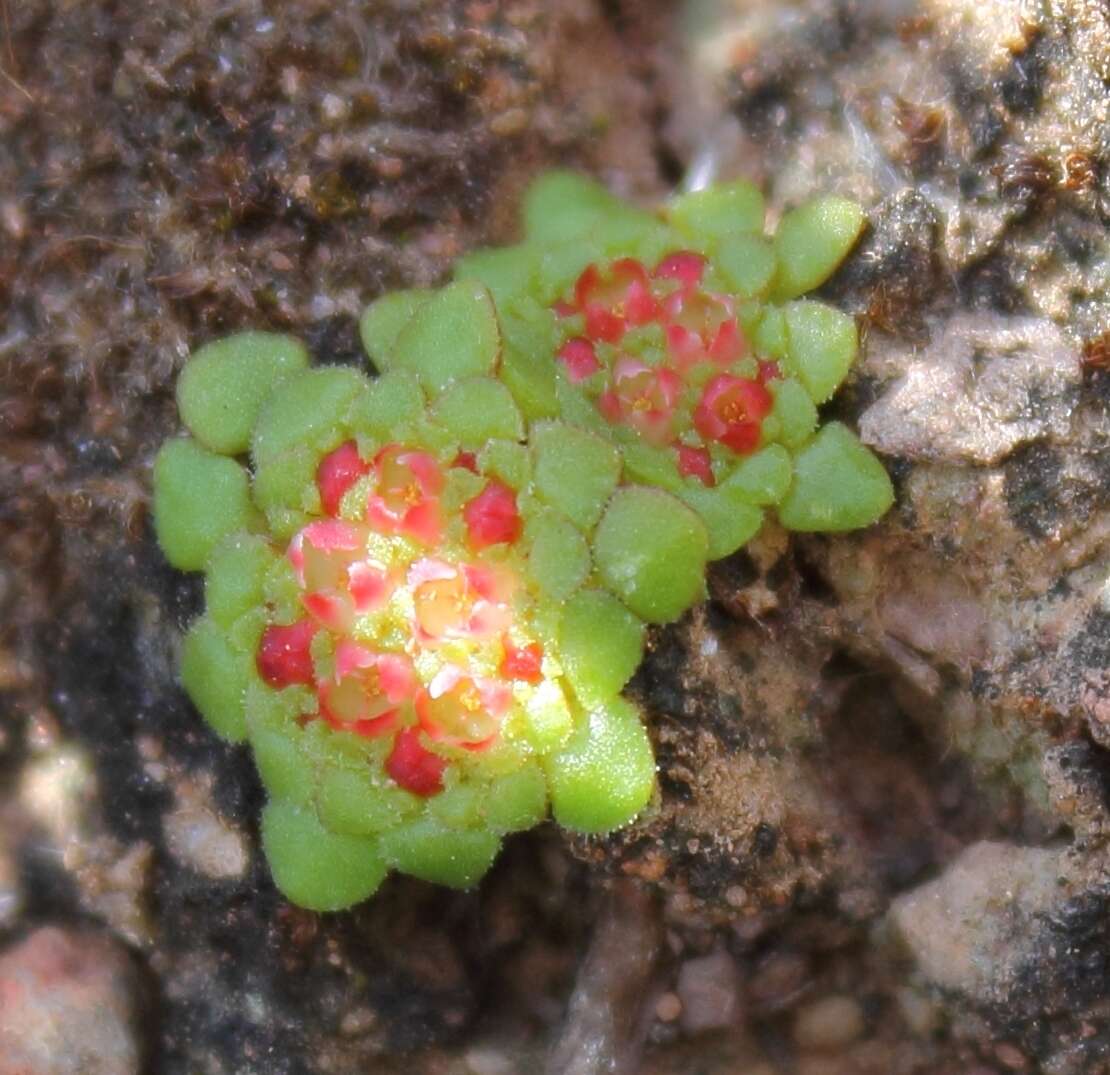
x: 882, y: 840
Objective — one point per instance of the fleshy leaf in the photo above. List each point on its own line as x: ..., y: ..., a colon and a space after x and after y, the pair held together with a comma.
x: 433, y: 852
x: 747, y: 263
x: 651, y: 552
x: 382, y: 321
x: 559, y: 558
x: 223, y: 386
x: 601, y: 644
x: 812, y: 241
x: 215, y: 674
x: 575, y: 471
x: 821, y: 345
x: 453, y: 335
x: 316, y: 868
x: 236, y: 572
x: 838, y: 484
x: 719, y: 211
x: 605, y: 774
x: 477, y: 410
x: 310, y: 410
x: 199, y: 498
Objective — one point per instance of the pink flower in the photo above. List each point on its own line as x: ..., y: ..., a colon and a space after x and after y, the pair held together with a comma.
x: 642, y: 397
x: 578, y: 358
x: 702, y: 328
x: 462, y: 710
x: 338, y: 580
x: 406, y: 496
x: 366, y: 691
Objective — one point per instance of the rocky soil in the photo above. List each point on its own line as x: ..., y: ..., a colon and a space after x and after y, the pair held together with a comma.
x: 883, y: 838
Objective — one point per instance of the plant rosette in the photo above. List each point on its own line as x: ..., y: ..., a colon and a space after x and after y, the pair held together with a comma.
x: 681, y: 337
x: 426, y: 591
x: 375, y: 626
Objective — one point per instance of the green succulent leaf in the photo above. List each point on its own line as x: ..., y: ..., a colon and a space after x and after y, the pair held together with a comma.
x: 812, y: 241
x: 314, y: 867
x: 427, y: 849
x: 720, y: 211
x: 574, y: 470
x: 199, y: 498
x: 216, y: 675
x: 236, y: 575
x: 794, y: 412
x: 821, y: 345
x: 601, y: 644
x: 838, y: 484
x: 382, y: 321
x: 559, y: 557
x: 651, y: 551
x: 454, y: 335
x: 747, y: 263
x: 478, y: 410
x: 311, y: 410
x: 224, y: 385
x: 517, y: 800
x: 605, y: 774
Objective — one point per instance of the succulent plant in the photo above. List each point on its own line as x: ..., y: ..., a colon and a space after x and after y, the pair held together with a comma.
x: 425, y: 592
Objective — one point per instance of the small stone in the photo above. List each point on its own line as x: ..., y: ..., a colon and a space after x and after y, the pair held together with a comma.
x: 67, y: 1006
x: 489, y: 1060
x: 709, y: 991
x: 1011, y: 1057
x: 668, y: 1008
x: 200, y: 839
x: 828, y: 1024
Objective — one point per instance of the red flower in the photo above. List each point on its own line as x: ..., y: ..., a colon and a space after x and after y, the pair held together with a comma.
x: 413, y: 766
x: 642, y: 397
x: 578, y: 358
x: 283, y: 656
x: 337, y: 472
x: 695, y: 463
x: 730, y: 411
x: 406, y: 498
x: 491, y: 517
x: 684, y: 266
x: 615, y: 301
x: 452, y: 602
x: 522, y: 662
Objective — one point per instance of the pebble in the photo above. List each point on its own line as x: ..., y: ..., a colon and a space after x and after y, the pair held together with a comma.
x: 828, y: 1024
x: 709, y: 990
x: 668, y: 1008
x: 199, y: 838
x: 67, y: 1006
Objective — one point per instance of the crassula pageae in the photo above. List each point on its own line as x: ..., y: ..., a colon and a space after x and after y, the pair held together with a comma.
x: 426, y: 591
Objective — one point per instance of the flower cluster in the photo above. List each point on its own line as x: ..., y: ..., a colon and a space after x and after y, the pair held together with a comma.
x: 426, y: 592
x: 666, y: 357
